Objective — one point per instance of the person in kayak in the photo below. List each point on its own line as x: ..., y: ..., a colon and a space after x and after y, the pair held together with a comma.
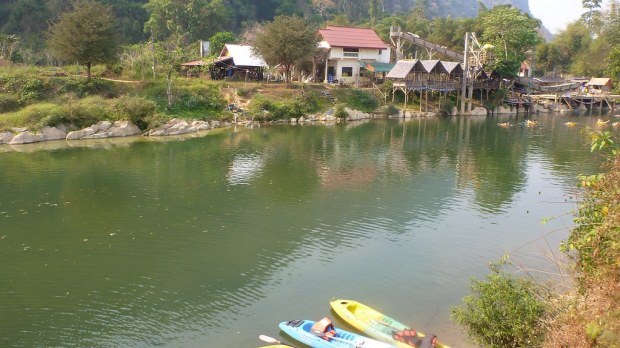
x: 324, y: 329
x: 411, y: 337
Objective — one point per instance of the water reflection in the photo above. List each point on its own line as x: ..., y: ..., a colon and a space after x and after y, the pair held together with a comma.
x: 213, y: 240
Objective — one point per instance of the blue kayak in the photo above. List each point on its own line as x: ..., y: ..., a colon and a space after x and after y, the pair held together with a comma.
x: 300, y: 330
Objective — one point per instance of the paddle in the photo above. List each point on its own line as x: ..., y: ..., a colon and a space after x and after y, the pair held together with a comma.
x: 268, y: 339
x: 385, y: 324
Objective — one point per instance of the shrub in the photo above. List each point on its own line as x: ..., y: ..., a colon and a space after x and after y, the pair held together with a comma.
x: 341, y: 112
x: 446, y: 108
x: 363, y: 100
x: 8, y: 102
x: 390, y: 110
x: 83, y: 88
x: 596, y: 235
x: 32, y: 116
x: 503, y: 311
x: 135, y: 109
x: 81, y: 113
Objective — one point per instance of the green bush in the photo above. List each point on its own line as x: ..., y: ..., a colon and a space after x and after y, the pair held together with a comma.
x: 446, y: 108
x: 32, y: 116
x: 503, y: 311
x: 341, y: 112
x: 596, y: 236
x: 82, y: 88
x: 363, y: 100
x: 81, y: 113
x: 8, y: 102
x: 390, y: 110
x: 137, y: 110
x: 195, y: 101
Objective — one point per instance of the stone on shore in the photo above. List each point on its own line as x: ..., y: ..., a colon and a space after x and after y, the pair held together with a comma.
x: 178, y: 127
x: 28, y: 137
x: 6, y: 137
x: 105, y: 129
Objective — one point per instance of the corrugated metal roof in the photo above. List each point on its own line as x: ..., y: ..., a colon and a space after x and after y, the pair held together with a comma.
x: 195, y: 63
x: 402, y: 69
x: 377, y: 66
x: 242, y: 55
x: 352, y: 37
x: 600, y: 81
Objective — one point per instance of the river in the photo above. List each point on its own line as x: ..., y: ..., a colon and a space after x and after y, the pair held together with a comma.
x: 209, y: 241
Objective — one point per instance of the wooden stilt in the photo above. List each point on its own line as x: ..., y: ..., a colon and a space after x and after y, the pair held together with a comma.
x: 421, y: 100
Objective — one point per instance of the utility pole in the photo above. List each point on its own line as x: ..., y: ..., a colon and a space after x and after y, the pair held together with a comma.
x: 465, y: 74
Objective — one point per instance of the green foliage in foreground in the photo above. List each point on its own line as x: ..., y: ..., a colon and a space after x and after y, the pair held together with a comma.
x: 596, y: 236
x: 503, y: 311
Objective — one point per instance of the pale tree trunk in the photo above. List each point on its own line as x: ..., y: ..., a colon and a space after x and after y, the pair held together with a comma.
x: 169, y: 87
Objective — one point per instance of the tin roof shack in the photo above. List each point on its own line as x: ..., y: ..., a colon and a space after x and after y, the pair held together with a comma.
x: 348, y: 50
x: 238, y: 62
x: 600, y: 86
x: 193, y: 68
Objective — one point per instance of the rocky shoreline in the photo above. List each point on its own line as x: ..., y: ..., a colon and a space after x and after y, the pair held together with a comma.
x: 107, y: 129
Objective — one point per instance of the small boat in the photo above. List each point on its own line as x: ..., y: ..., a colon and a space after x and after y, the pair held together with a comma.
x: 302, y: 331
x: 615, y: 124
x: 504, y: 124
x: 381, y: 327
x: 600, y: 122
x: 530, y: 123
x: 570, y: 124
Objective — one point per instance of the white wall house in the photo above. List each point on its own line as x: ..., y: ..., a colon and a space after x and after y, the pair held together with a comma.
x: 349, y: 49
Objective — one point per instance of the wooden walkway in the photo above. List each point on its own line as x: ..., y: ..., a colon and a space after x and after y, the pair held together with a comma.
x: 577, y: 100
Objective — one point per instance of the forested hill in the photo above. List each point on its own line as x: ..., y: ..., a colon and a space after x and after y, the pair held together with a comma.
x: 29, y: 19
x: 454, y: 8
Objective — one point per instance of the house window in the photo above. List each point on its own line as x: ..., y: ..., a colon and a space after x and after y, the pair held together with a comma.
x: 347, y: 71
x: 351, y: 52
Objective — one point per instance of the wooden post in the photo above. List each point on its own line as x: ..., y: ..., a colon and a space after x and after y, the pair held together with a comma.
x: 421, y: 97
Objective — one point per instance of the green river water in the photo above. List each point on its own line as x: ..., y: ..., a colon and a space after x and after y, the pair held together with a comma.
x: 212, y: 240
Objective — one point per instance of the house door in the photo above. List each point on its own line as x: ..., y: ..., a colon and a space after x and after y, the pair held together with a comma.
x: 330, y: 74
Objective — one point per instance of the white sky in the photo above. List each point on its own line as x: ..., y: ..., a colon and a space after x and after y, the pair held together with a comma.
x: 556, y: 14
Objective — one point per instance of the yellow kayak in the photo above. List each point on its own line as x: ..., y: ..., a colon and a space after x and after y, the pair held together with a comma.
x: 276, y: 346
x: 381, y: 327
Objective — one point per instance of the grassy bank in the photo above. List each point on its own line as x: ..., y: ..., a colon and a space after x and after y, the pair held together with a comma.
x: 37, y: 97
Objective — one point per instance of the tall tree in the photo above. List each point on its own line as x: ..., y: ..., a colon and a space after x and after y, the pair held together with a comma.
x: 286, y: 41
x: 592, y: 13
x: 512, y: 33
x: 217, y: 42
x: 198, y: 19
x: 86, y: 35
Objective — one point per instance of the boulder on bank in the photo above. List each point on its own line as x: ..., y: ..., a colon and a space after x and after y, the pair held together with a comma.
x: 355, y: 115
x: 105, y: 129
x: 6, y: 137
x: 177, y: 127
x: 28, y: 137
x: 478, y: 111
x: 502, y: 110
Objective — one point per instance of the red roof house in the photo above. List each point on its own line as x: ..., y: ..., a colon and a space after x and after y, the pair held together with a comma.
x: 349, y: 50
